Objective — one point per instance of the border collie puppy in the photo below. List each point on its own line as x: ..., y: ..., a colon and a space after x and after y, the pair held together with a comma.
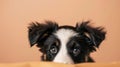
x: 66, y: 44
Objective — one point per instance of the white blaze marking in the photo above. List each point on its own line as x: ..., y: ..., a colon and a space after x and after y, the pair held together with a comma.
x: 64, y: 36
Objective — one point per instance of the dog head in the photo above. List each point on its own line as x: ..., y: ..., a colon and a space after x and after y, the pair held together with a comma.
x: 65, y: 44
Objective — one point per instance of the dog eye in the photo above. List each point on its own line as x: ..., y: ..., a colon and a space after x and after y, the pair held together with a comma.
x: 76, y: 51
x: 75, y: 48
x: 53, y: 49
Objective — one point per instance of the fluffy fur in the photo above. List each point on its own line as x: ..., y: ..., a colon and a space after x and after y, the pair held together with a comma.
x: 66, y: 44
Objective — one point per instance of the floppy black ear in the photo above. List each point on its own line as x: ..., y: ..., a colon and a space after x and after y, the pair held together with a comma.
x: 38, y: 32
x: 95, y: 34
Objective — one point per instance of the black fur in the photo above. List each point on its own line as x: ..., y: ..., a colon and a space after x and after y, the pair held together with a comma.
x: 42, y: 35
x: 97, y: 34
x: 39, y: 32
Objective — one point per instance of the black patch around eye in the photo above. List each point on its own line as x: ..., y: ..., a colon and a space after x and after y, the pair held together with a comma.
x: 52, y: 51
x: 77, y: 48
x: 74, y: 48
x: 52, y: 46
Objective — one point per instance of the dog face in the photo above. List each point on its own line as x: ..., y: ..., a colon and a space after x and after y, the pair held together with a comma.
x: 66, y: 44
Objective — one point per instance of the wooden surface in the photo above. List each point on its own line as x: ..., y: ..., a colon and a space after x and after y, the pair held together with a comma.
x: 51, y: 64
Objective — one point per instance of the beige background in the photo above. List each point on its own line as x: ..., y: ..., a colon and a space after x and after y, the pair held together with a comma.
x: 15, y: 15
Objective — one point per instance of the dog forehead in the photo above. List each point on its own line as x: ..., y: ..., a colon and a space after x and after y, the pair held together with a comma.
x: 65, y: 34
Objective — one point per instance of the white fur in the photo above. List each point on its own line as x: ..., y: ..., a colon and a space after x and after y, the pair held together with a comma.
x: 64, y: 36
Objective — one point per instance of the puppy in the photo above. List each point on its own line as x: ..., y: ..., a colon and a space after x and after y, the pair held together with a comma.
x: 66, y: 44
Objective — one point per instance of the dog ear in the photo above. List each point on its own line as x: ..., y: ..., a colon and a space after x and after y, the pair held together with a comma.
x: 95, y: 35
x: 38, y: 32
